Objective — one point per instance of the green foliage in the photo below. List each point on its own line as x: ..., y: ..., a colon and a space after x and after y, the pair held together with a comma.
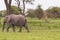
x: 2, y: 13
x: 14, y: 9
x: 39, y: 30
x: 32, y: 35
x: 37, y: 13
x: 42, y: 24
x: 35, y: 23
x: 31, y: 13
x: 53, y: 12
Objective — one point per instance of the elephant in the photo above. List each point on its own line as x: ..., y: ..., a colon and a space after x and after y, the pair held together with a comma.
x: 15, y: 20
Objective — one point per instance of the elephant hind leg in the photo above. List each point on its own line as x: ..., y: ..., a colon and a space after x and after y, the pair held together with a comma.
x: 3, y: 27
x: 26, y: 27
x: 13, y: 28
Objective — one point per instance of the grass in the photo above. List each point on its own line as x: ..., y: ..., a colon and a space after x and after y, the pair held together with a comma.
x: 32, y: 35
x: 51, y: 24
x: 39, y: 30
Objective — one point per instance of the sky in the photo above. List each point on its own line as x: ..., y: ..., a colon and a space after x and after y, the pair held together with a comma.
x: 45, y: 4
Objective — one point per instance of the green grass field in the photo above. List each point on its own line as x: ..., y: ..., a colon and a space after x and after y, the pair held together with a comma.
x: 39, y: 30
x: 32, y: 35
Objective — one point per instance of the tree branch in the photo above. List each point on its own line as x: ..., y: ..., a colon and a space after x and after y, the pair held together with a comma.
x: 18, y: 4
x: 23, y: 6
x: 10, y: 2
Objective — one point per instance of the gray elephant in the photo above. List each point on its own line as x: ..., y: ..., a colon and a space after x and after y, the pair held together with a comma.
x: 15, y: 20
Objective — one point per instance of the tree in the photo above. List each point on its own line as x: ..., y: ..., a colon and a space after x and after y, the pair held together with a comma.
x: 24, y: 3
x: 14, y: 10
x: 53, y: 12
x: 8, y: 6
x: 31, y: 13
x: 39, y: 12
x: 18, y: 4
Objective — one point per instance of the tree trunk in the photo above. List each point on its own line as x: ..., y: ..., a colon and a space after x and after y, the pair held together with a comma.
x: 8, y: 6
x: 23, y: 7
x: 18, y: 3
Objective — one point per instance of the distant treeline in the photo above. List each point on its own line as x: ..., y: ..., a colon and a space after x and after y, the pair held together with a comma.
x: 52, y: 12
x: 38, y: 12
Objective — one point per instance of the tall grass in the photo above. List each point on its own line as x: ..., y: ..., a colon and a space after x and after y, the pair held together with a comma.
x: 39, y: 30
x: 40, y: 23
x: 35, y: 23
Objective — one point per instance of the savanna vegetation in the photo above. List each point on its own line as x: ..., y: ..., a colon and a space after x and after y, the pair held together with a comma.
x: 43, y: 24
x: 39, y: 30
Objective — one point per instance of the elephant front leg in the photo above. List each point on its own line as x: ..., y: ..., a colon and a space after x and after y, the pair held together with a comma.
x: 3, y: 27
x: 13, y: 28
x: 8, y: 28
x: 26, y: 27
